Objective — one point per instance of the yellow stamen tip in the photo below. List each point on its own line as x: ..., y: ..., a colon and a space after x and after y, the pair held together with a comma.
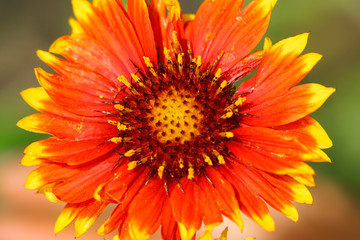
x: 116, y: 140
x: 119, y: 107
x: 130, y: 152
x: 227, y: 134
x: 221, y: 159
x: 123, y: 80
x: 207, y: 159
x: 222, y: 86
x: 180, y: 61
x: 161, y: 171
x: 181, y: 163
x: 150, y: 66
x: 190, y: 173
x: 137, y: 80
x: 240, y: 101
x: 228, y: 114
x: 112, y: 122
x: 132, y: 165
x: 217, y: 76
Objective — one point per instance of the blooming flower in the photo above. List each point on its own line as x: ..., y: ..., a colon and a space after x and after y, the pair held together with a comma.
x: 144, y: 113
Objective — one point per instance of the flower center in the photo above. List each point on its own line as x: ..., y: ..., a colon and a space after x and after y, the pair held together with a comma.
x: 175, y: 120
x: 176, y: 117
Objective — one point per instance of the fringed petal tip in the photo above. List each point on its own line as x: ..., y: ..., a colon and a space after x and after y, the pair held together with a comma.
x: 186, y: 233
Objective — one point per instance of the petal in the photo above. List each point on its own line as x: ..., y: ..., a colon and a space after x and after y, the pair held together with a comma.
x: 76, y: 90
x: 250, y: 204
x: 40, y: 100
x: 139, y: 16
x: 266, y: 161
x: 116, y: 220
x: 169, y: 227
x: 209, y: 199
x: 280, y: 69
x: 224, y: 196
x: 209, y: 19
x: 67, y: 215
x: 289, y: 188
x: 85, y: 214
x: 108, y: 24
x: 89, y: 177
x: 271, y: 150
x: 69, y: 152
x: 88, y: 216
x: 124, y: 187
x: 295, y: 104
x: 159, y: 22
x: 150, y: 200
x: 220, y: 26
x: 91, y: 55
x: 186, y: 208
x: 67, y: 129
x: 308, y: 130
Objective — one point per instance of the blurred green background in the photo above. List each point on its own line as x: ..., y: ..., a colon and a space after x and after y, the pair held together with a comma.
x: 334, y: 27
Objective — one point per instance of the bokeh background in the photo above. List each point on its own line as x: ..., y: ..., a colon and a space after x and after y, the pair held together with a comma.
x: 334, y: 27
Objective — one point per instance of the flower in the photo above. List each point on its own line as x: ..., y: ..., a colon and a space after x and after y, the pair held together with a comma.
x: 144, y: 113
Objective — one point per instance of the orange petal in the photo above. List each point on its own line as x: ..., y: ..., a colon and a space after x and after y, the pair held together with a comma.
x: 88, y: 216
x: 76, y: 89
x: 117, y: 34
x: 150, y: 200
x: 91, y: 55
x: 224, y: 196
x: 66, y: 128
x: 69, y: 152
x: 297, y: 103
x: 139, y: 16
x: 67, y: 215
x: 89, y: 177
x: 280, y: 69
x: 169, y: 227
x: 228, y: 29
x: 250, y: 204
x: 186, y: 208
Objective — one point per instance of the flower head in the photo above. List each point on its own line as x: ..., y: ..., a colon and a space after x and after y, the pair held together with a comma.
x: 144, y: 113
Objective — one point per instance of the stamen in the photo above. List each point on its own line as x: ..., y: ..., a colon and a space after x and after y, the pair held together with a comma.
x: 222, y: 86
x: 123, y: 127
x: 219, y: 157
x: 122, y: 108
x: 216, y: 77
x: 180, y: 62
x: 128, y: 85
x: 237, y: 103
x: 150, y: 66
x: 227, y: 134
x: 168, y: 58
x: 228, y: 114
x: 190, y: 173
x: 207, y: 159
x: 120, y: 139
x: 198, y: 65
x: 240, y: 101
x: 137, y: 80
x: 132, y: 165
x: 181, y: 163
x: 131, y: 152
x: 113, y: 122
x: 161, y: 170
